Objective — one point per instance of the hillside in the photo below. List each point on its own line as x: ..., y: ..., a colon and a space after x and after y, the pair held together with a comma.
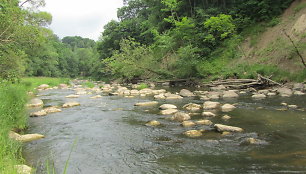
x: 273, y: 47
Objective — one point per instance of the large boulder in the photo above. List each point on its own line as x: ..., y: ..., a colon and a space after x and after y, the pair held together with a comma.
x: 227, y: 107
x: 150, y: 103
x: 211, y: 105
x: 167, y: 106
x: 35, y: 102
x: 285, y: 92
x: 230, y: 94
x: 192, y: 107
x: 168, y: 111
x: 180, y: 116
x: 71, y: 104
x: 186, y: 93
x: 25, y: 138
x: 225, y: 128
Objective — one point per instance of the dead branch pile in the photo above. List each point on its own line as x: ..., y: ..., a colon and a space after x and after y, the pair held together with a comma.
x: 260, y: 82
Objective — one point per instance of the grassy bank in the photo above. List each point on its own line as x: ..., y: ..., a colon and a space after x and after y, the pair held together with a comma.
x: 13, y: 98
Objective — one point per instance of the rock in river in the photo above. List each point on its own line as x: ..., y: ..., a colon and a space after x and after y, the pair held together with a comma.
x: 204, y: 122
x: 208, y: 114
x: 153, y: 123
x: 150, y: 103
x: 193, y: 133
x: 23, y: 169
x: 167, y: 106
x: 225, y: 128
x: 230, y: 94
x: 39, y: 113
x: 227, y: 108
x: 72, y: 96
x: 95, y: 97
x: 180, y: 116
x: 284, y: 92
x: 192, y: 107
x: 168, y: 111
x: 35, y: 102
x: 259, y: 96
x: 25, y: 138
x: 188, y: 123
x: 186, y: 93
x: 52, y: 109
x: 71, y: 104
x: 211, y: 105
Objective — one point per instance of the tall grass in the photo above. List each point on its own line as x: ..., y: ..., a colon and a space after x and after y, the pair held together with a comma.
x: 12, y: 115
x: 13, y: 98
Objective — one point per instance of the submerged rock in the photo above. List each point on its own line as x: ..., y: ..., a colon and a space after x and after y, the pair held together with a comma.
x: 226, y: 117
x: 225, y: 128
x: 227, y: 108
x: 253, y: 141
x: 167, y: 106
x: 211, y: 105
x: 168, y: 111
x: 192, y: 107
x: 23, y: 169
x: 204, y: 122
x: 35, y: 102
x: 188, y: 123
x: 186, y: 93
x: 259, y: 96
x: 193, y: 133
x: 180, y: 116
x: 208, y: 114
x: 71, y: 104
x: 150, y: 103
x: 95, y: 97
x: 25, y: 138
x: 153, y: 123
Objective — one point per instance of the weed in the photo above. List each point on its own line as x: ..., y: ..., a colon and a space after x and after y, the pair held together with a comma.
x: 142, y: 86
x: 88, y: 84
x: 299, y: 7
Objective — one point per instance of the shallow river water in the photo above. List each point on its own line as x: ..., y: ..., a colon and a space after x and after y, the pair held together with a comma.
x: 112, y: 138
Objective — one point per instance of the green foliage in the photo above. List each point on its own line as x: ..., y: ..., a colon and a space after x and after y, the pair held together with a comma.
x: 219, y: 28
x: 142, y: 86
x: 32, y: 82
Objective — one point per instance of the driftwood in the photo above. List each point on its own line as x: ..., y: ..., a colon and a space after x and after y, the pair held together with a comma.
x: 260, y: 82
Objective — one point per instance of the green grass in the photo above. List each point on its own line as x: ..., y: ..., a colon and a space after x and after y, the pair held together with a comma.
x: 33, y: 82
x: 88, y: 84
x: 299, y: 7
x: 13, y: 98
x: 142, y: 86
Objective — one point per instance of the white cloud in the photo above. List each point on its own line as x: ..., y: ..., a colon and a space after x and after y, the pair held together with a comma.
x: 81, y: 18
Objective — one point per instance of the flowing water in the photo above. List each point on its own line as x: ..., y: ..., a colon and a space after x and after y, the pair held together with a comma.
x: 112, y: 138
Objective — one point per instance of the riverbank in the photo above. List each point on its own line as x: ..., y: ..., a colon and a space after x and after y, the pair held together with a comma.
x: 13, y: 116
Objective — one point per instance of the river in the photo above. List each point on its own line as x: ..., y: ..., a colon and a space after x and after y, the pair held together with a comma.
x: 111, y: 137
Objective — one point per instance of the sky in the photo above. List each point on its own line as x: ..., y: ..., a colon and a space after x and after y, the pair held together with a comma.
x: 81, y: 18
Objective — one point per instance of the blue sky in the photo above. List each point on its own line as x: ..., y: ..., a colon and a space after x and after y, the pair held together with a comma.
x: 81, y: 18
